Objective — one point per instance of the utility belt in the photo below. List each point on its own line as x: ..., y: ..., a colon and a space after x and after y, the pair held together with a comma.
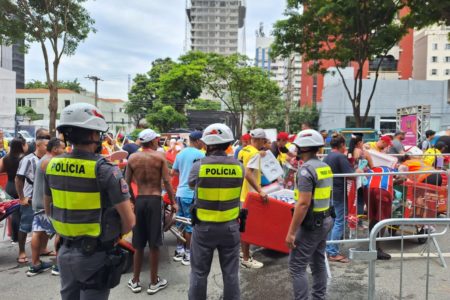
x: 314, y: 220
x: 109, y: 275
x: 242, y: 219
x: 87, y: 245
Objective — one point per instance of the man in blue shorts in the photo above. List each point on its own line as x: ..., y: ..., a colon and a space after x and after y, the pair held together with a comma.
x: 185, y: 196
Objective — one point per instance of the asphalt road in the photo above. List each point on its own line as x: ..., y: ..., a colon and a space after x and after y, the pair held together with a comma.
x: 349, y: 281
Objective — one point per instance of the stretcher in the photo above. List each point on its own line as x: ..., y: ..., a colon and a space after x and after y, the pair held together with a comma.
x: 267, y: 223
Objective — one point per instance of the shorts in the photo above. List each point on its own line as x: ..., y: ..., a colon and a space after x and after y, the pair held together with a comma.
x: 184, y: 210
x: 379, y: 203
x: 26, y: 218
x: 149, y: 220
x: 41, y: 223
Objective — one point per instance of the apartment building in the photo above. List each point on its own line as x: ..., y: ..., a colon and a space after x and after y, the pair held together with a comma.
x: 432, y: 53
x: 213, y: 25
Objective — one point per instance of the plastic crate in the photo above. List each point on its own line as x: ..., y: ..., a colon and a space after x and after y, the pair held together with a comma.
x: 427, y: 200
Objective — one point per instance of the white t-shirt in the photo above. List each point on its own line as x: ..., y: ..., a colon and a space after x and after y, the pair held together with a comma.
x: 27, y: 168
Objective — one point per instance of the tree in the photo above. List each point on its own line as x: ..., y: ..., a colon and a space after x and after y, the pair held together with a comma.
x: 345, y: 32
x: 27, y: 111
x: 145, y: 89
x: 238, y: 85
x: 182, y: 83
x: 58, y: 26
x: 203, y: 104
x: 69, y: 85
x: 165, y: 117
x: 425, y: 13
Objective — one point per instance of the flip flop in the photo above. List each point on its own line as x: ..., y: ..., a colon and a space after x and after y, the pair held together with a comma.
x: 22, y: 260
x: 49, y: 253
x: 338, y: 258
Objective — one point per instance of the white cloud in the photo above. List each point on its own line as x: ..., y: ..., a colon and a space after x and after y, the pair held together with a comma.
x: 130, y: 34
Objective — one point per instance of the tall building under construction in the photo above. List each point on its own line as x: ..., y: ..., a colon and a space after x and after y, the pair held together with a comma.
x: 213, y: 25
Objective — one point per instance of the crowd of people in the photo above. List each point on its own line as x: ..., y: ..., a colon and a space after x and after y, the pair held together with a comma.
x: 69, y: 189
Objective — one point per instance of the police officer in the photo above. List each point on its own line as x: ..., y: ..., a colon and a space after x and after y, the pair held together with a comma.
x: 88, y: 203
x: 311, y: 221
x: 217, y: 180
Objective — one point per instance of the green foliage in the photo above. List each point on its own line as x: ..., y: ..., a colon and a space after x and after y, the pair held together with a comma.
x: 69, y: 85
x: 29, y: 112
x: 203, y: 104
x: 135, y: 134
x: 425, y: 13
x: 58, y: 26
x: 164, y: 117
x: 304, y: 114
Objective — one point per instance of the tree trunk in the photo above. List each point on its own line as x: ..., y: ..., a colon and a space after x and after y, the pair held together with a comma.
x: 53, y: 108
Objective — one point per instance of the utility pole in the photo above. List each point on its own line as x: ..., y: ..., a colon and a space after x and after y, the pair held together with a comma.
x: 289, y: 92
x: 96, y: 79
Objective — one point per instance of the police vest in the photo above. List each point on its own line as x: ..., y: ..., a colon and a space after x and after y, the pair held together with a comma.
x: 77, y: 205
x: 322, y: 188
x: 219, y: 189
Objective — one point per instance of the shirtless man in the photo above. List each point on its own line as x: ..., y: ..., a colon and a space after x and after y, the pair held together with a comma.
x: 147, y: 169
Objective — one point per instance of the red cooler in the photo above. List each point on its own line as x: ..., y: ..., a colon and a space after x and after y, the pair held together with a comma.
x: 267, y: 223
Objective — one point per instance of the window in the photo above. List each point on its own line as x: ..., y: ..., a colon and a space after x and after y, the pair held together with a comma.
x: 447, y: 59
x: 434, y: 59
x: 447, y: 72
x: 66, y: 103
x: 433, y: 71
x: 447, y: 46
x: 435, y: 46
x: 20, y: 102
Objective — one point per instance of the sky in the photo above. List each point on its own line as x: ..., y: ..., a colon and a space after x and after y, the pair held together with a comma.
x: 130, y: 35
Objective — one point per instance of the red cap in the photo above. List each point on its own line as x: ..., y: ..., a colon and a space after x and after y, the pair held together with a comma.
x: 387, y: 140
x: 292, y: 138
x: 246, y: 137
x: 283, y: 136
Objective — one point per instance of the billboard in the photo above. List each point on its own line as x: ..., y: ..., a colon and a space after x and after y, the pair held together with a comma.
x: 408, y: 124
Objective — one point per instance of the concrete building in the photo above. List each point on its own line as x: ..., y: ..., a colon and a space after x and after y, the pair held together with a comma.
x: 432, y: 53
x: 396, y: 65
x: 38, y: 99
x: 213, y: 25
x: 11, y: 58
x: 7, y: 89
x: 336, y: 110
x: 18, y: 65
x: 280, y: 67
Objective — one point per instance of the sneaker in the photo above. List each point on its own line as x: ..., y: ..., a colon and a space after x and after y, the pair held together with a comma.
x: 154, y: 288
x: 41, y: 267
x: 135, y: 287
x: 381, y: 255
x: 186, y: 261
x: 55, y: 270
x: 251, y: 264
x: 178, y: 256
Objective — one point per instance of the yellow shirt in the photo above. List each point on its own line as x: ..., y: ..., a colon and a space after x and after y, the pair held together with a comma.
x: 247, y: 153
x: 5, y: 145
x: 429, y: 159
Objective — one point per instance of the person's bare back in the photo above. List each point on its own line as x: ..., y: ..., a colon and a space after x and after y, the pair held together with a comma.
x: 147, y: 169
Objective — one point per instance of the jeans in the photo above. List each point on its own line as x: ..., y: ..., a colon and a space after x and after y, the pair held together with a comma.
x: 338, y: 228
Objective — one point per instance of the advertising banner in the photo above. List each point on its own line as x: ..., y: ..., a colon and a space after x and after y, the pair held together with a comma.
x: 408, y: 124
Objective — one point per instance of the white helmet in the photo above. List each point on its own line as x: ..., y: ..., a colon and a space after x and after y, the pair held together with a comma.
x: 83, y: 115
x: 216, y: 134
x: 309, y: 138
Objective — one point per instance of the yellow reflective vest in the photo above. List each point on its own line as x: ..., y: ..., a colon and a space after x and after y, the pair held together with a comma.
x: 218, y: 189
x: 77, y: 205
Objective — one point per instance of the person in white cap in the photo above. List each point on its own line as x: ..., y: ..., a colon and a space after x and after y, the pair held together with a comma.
x: 250, y: 159
x: 147, y: 168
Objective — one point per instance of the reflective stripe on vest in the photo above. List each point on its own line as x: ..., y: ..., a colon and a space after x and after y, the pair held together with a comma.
x: 322, y: 189
x: 77, y: 207
x: 218, y: 189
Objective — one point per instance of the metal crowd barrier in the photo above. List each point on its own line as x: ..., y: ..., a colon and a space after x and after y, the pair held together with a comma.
x: 371, y: 254
x: 414, y: 201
